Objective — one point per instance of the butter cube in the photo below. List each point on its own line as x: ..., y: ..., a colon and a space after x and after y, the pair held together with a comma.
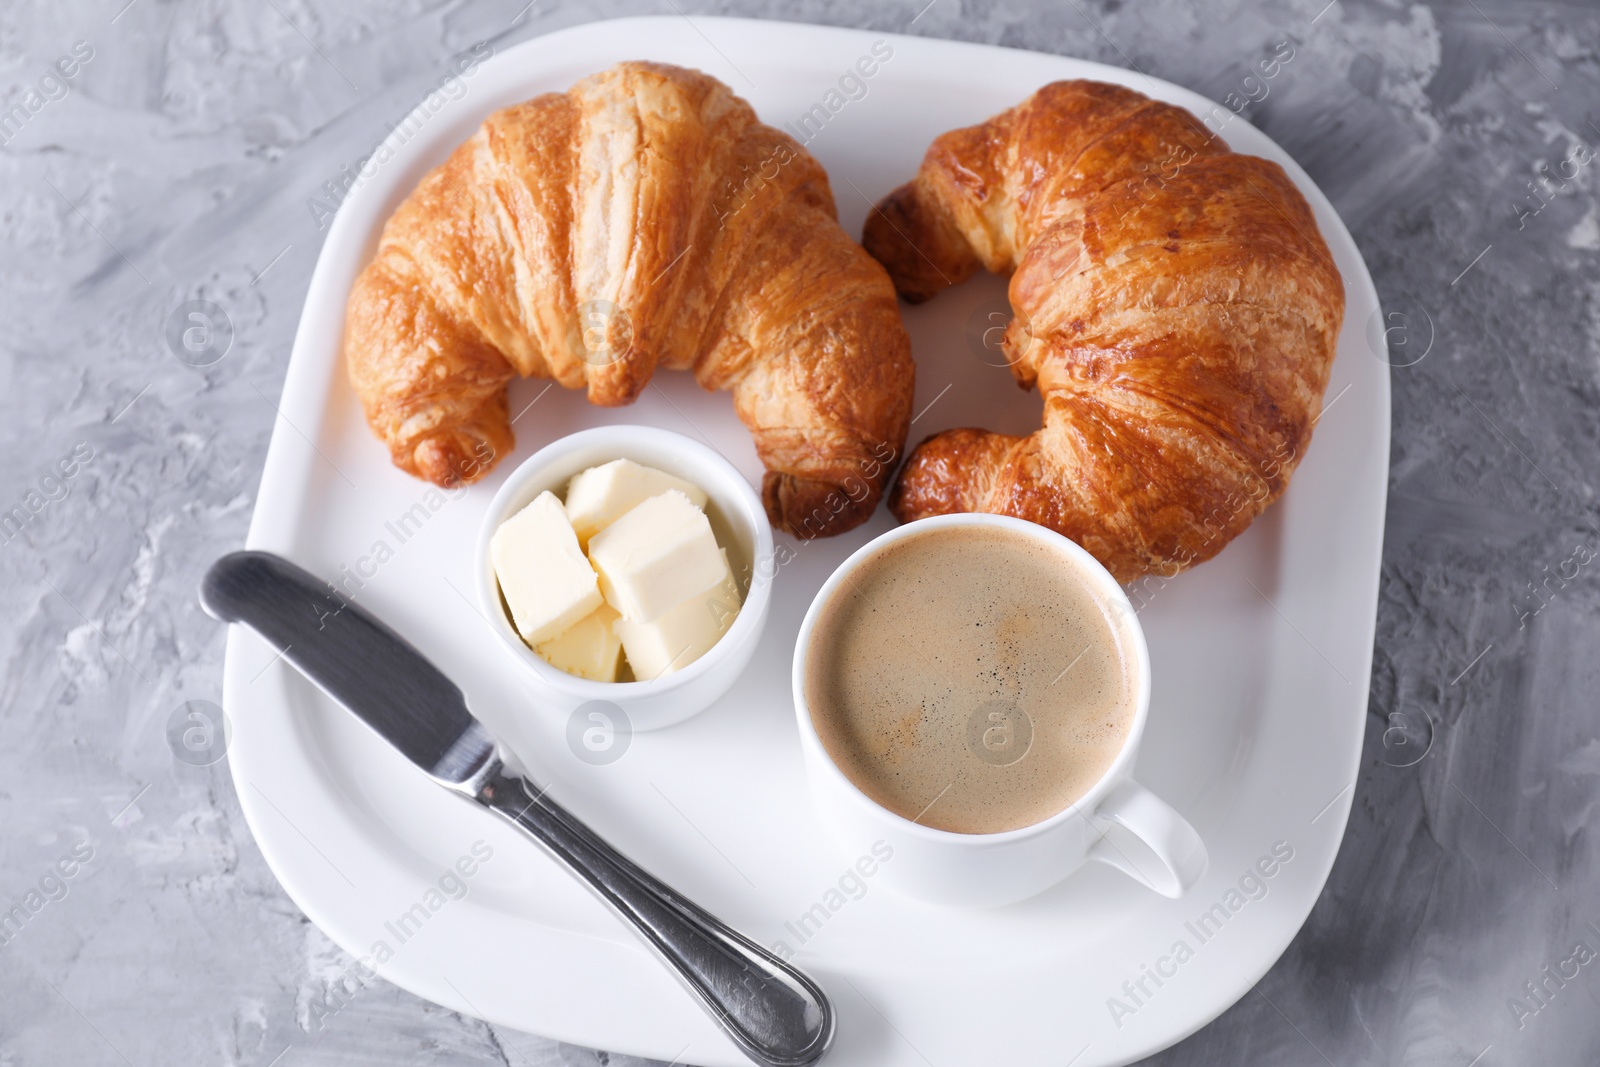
x: 590, y: 648
x: 547, y: 582
x: 656, y: 556
x: 602, y: 495
x: 683, y: 634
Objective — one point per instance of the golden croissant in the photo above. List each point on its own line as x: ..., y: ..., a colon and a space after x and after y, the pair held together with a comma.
x: 644, y: 219
x: 1172, y: 300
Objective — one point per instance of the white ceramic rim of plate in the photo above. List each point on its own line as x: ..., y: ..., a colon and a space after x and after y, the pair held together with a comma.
x: 270, y: 750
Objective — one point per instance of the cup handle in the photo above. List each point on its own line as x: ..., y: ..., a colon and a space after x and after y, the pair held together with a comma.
x: 1168, y: 834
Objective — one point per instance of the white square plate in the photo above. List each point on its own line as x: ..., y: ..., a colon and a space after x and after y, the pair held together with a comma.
x: 1262, y: 659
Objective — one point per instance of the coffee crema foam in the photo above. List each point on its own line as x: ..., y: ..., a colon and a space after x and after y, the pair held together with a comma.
x: 971, y: 679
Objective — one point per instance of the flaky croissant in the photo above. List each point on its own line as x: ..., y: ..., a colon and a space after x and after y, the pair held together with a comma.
x: 644, y: 219
x: 1173, y: 301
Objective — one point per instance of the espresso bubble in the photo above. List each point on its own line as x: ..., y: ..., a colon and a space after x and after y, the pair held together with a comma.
x: 971, y: 679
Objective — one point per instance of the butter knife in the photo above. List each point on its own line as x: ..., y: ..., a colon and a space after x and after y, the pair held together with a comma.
x: 774, y: 1012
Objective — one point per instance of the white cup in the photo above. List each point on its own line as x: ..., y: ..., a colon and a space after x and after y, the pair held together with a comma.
x: 1117, y: 821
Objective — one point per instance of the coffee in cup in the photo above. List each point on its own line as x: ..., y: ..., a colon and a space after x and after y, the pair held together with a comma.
x: 972, y: 678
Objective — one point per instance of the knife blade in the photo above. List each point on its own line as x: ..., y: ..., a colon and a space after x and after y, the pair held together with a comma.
x: 775, y: 1013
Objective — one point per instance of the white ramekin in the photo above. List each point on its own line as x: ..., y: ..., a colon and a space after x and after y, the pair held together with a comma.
x: 739, y: 522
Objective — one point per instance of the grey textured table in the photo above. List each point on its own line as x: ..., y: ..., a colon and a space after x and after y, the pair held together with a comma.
x: 179, y: 161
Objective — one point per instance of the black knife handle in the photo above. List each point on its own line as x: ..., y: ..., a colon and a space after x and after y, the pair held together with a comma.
x: 776, y: 1014
x: 342, y: 647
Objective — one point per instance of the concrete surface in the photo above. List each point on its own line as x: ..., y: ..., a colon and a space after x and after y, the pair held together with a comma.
x: 176, y: 163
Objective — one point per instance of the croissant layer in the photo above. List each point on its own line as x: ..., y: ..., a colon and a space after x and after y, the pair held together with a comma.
x: 1173, y: 302
x: 644, y: 219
